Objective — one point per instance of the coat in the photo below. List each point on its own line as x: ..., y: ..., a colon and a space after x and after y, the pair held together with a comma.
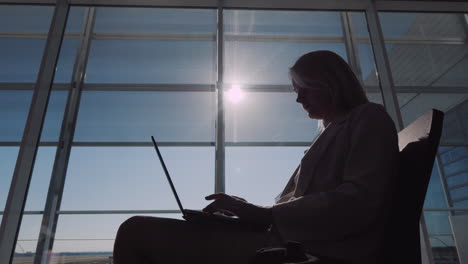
x: 335, y: 202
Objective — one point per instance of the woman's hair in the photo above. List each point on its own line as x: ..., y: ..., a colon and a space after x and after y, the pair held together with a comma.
x: 329, y: 68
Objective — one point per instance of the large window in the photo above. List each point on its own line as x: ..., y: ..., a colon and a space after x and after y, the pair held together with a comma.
x: 23, y: 34
x: 161, y: 72
x: 22, y: 40
x: 266, y: 131
x: 150, y: 72
x: 427, y: 53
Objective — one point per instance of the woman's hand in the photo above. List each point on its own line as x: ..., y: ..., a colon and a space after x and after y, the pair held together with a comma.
x: 233, y: 205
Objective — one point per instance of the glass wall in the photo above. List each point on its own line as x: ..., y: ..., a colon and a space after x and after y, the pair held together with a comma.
x: 23, y: 32
x: 263, y: 122
x: 150, y: 72
x: 154, y: 72
x: 428, y: 59
x: 33, y: 25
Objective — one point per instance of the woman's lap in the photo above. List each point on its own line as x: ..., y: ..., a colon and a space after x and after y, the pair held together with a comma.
x: 164, y: 240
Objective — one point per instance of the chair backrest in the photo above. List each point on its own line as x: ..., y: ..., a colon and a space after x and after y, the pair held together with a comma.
x: 418, y: 144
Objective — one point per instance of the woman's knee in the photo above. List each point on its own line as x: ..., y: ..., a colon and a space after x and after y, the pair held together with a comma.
x: 130, y: 226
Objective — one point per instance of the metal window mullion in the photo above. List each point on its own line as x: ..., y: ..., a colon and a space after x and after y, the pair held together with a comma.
x: 387, y: 5
x: 57, y: 182
x: 212, y: 87
x: 135, y: 87
x: 220, y: 135
x: 383, y: 66
x: 350, y: 44
x: 24, y: 166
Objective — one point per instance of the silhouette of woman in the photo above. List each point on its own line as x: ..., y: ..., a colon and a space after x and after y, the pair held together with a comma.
x: 334, y: 202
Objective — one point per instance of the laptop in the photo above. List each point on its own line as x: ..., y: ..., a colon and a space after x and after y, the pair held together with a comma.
x: 201, y: 217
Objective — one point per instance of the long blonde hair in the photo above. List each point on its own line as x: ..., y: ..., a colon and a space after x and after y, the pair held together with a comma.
x: 345, y: 90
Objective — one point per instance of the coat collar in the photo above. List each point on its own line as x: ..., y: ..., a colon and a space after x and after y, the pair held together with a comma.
x: 311, y: 158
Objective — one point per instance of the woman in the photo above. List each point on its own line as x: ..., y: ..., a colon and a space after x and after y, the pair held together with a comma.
x: 334, y: 203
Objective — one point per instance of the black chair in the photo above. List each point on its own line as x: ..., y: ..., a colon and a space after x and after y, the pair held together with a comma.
x: 418, y: 144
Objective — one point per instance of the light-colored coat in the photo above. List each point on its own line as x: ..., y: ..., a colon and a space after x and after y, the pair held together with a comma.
x: 338, y: 206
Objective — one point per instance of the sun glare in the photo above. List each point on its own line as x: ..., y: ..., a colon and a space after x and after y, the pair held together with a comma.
x: 235, y: 95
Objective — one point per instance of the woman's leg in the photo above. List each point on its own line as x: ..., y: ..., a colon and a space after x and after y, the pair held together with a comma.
x: 142, y: 240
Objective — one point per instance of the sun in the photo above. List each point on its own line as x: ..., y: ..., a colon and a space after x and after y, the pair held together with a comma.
x: 235, y: 94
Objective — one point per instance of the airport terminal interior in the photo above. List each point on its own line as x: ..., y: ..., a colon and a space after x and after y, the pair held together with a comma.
x: 84, y: 84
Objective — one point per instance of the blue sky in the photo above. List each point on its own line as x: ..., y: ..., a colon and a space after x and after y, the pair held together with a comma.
x: 124, y: 178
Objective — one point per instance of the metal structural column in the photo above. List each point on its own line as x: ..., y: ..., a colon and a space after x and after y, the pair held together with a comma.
x: 25, y: 163
x: 220, y: 136
x: 391, y: 102
x: 351, y: 46
x: 57, y: 182
x: 383, y: 66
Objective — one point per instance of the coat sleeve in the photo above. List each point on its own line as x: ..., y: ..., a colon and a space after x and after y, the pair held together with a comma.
x: 360, y: 200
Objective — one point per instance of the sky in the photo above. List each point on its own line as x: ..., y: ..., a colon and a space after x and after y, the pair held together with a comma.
x: 130, y: 178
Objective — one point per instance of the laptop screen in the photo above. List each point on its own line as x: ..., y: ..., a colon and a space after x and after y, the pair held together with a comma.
x: 167, y: 175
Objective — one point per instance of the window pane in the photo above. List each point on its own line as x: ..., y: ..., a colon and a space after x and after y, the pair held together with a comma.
x: 285, y: 23
x: 94, y: 234
x: 417, y: 64
x: 435, y: 196
x: 155, y: 21
x: 422, y: 25
x: 440, y: 237
x: 21, y: 59
x: 359, y: 24
x: 458, y: 179
x: 27, y: 239
x: 66, y: 61
x: 37, y: 194
x: 426, y: 54
x: 462, y: 204
x: 124, y: 116
x: 268, y: 117
x: 428, y: 63
x: 54, y: 116
x: 455, y: 167
x: 151, y: 61
x: 7, y: 166
x: 39, y: 186
x: 131, y: 178
x: 249, y: 62
x: 25, y: 19
x: 178, y: 55
x: 75, y: 19
x: 363, y: 49
x: 14, y: 108
x: 261, y: 45
x: 375, y: 97
x: 459, y: 193
x: 368, y: 69
x: 416, y: 104
x: 259, y: 174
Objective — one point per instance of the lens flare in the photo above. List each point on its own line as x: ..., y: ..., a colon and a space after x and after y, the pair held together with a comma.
x: 235, y: 95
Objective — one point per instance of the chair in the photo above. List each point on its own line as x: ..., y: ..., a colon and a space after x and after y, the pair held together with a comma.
x: 418, y: 144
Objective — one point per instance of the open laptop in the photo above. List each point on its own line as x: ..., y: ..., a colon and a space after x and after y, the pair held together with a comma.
x: 200, y: 216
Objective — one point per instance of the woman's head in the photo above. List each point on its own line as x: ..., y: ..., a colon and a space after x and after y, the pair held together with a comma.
x: 325, y: 84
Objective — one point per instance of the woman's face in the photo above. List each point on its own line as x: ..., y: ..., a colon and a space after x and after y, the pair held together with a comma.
x: 315, y: 99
